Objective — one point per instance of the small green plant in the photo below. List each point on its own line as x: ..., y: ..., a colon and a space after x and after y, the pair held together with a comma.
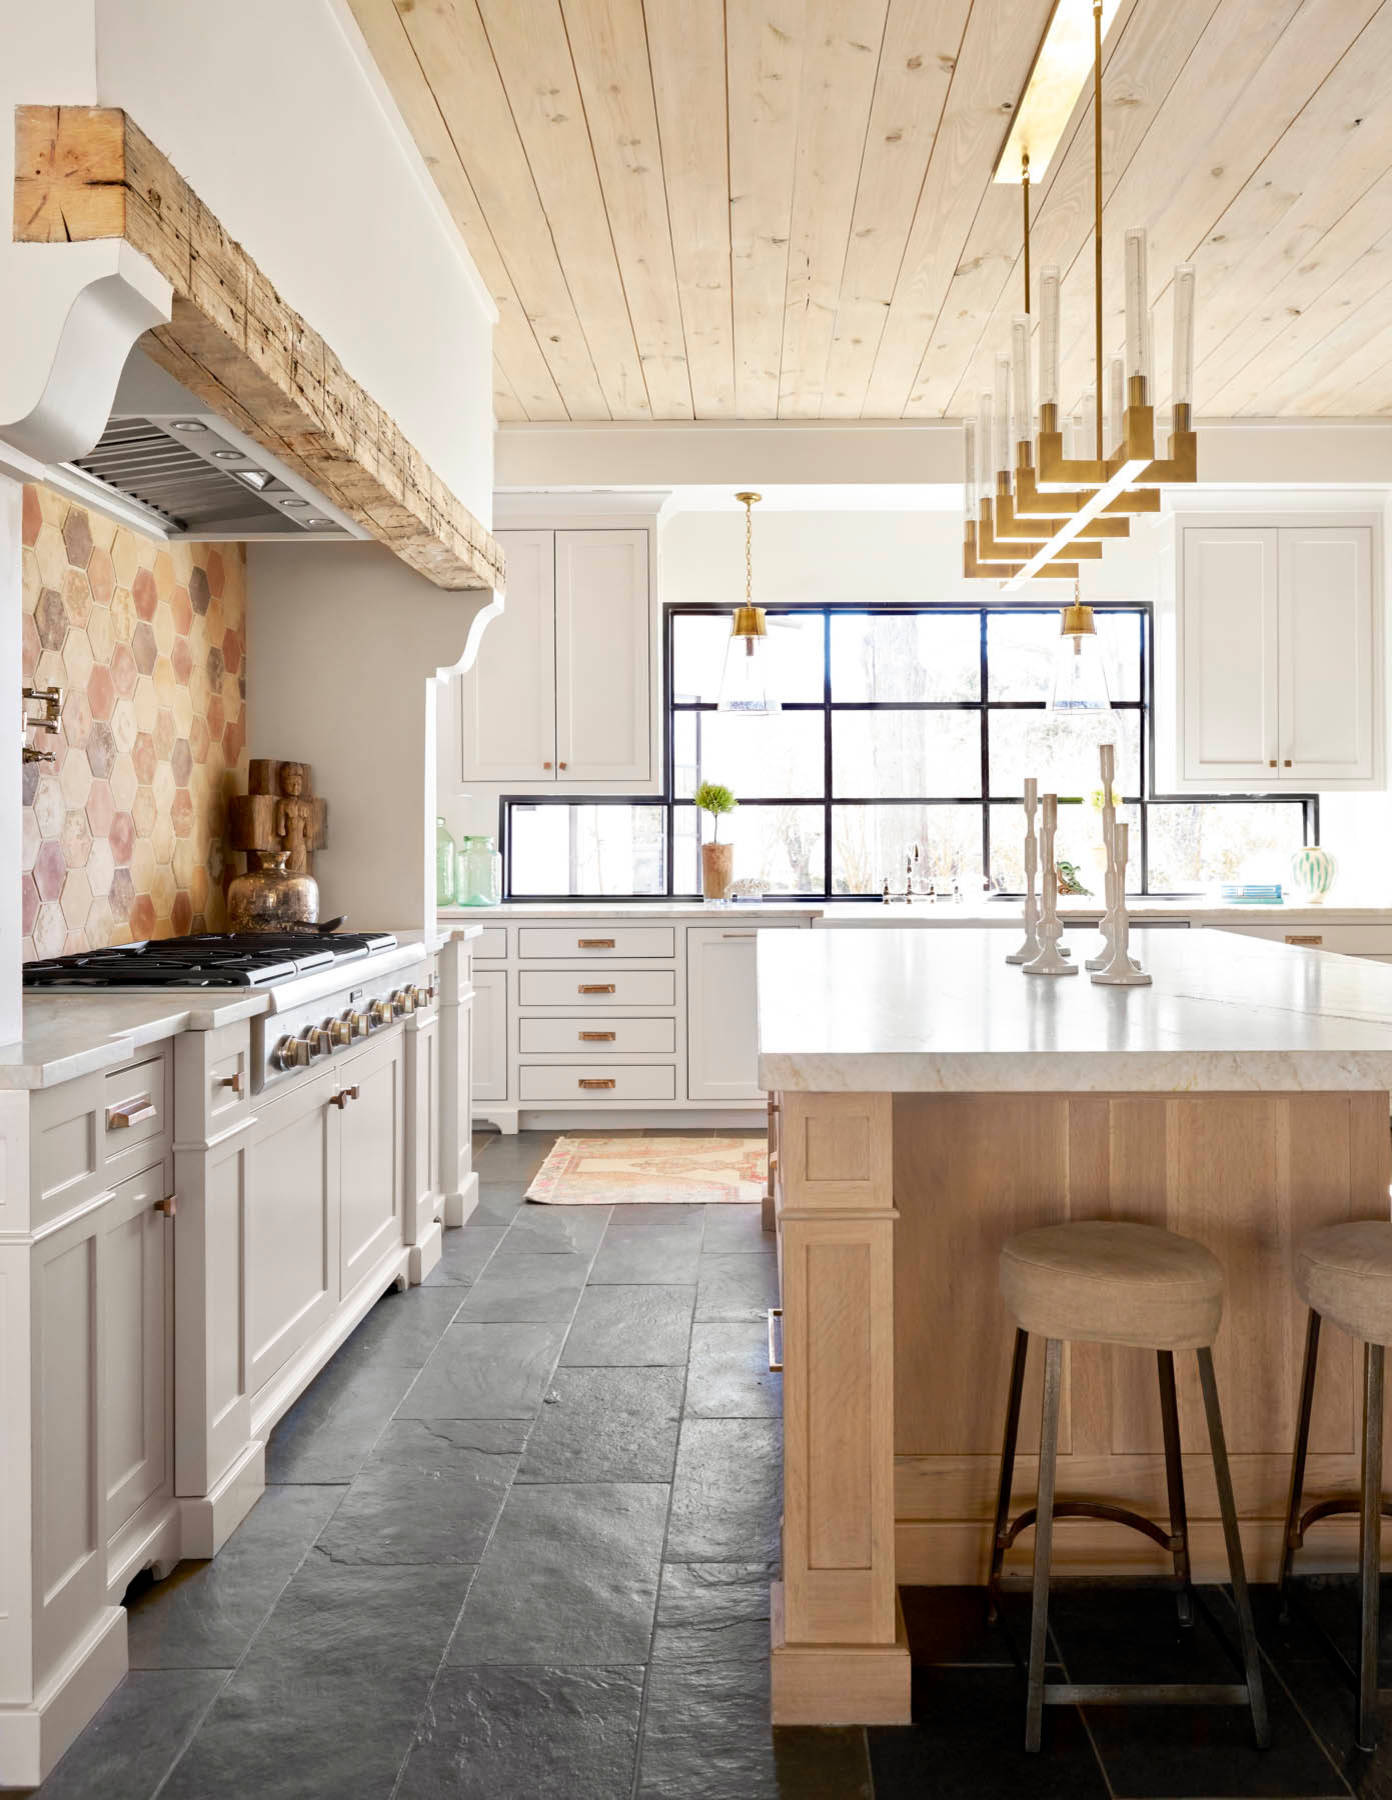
x: 711, y: 797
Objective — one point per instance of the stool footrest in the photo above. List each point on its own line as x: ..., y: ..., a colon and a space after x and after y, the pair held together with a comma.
x: 1092, y: 1509
x: 1124, y: 1693
x: 1331, y: 1509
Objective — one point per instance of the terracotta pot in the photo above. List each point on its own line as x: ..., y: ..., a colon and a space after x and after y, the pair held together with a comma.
x: 717, y: 870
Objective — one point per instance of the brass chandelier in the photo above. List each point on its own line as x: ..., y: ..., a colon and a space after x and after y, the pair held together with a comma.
x: 1034, y: 511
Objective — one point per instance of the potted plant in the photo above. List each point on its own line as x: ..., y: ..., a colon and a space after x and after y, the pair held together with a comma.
x: 717, y: 859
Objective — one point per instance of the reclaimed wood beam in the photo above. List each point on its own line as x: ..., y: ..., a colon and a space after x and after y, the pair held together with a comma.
x: 89, y: 172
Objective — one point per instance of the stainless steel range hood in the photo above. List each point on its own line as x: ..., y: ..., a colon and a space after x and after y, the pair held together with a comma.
x: 167, y: 466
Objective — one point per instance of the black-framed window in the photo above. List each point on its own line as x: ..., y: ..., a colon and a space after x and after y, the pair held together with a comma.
x: 905, y: 732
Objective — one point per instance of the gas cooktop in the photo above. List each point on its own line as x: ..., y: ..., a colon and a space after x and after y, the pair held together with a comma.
x: 215, y: 959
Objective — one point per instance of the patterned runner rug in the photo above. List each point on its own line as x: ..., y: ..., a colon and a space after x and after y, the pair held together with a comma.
x: 603, y: 1171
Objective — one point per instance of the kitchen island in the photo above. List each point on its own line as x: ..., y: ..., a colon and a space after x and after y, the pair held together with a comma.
x: 929, y: 1102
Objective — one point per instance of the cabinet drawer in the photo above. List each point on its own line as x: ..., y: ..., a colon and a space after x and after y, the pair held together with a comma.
x: 1348, y: 940
x: 135, y: 1104
x: 581, y: 1037
x: 597, y: 1081
x: 598, y: 989
x: 491, y: 944
x: 598, y: 941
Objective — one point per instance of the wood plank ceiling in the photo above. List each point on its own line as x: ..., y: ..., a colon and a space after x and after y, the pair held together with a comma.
x: 784, y: 208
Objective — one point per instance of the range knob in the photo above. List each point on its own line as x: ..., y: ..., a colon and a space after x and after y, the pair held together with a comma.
x: 356, y: 1024
x: 381, y: 1012
x: 293, y: 1053
x: 320, y: 1040
x: 403, y: 1001
x: 422, y: 996
x: 340, y: 1032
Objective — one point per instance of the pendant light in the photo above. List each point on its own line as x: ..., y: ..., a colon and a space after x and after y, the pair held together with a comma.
x: 744, y: 684
x: 1080, y: 670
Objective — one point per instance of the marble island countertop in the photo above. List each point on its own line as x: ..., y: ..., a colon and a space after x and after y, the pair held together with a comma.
x: 910, y: 1011
x: 72, y: 1033
x: 993, y: 913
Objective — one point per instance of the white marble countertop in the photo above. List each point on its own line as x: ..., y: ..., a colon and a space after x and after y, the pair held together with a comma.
x: 911, y: 1011
x: 993, y: 913
x: 71, y: 1034
x: 628, y: 909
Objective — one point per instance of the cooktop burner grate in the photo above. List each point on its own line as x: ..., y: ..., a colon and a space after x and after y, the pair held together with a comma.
x: 214, y: 959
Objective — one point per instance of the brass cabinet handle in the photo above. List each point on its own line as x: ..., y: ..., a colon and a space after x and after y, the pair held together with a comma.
x: 342, y: 1097
x: 607, y: 1082
x: 130, y: 1112
x: 595, y: 987
x: 1310, y: 943
x: 546, y: 765
x: 775, y: 1355
x: 168, y: 1206
x: 1288, y: 762
x: 560, y: 765
x: 594, y: 943
x: 1272, y: 763
x: 236, y: 1082
x: 598, y: 1037
x: 739, y: 934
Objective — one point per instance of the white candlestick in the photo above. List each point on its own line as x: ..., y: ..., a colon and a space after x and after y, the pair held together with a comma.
x: 1121, y: 969
x: 1029, y: 949
x: 1050, y: 960
x: 1106, y: 757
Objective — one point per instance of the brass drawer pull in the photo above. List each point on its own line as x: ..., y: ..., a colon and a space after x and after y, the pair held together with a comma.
x: 595, y: 987
x: 130, y: 1112
x: 1310, y: 943
x: 342, y: 1097
x: 739, y: 934
x: 775, y: 1338
x: 598, y: 1037
x: 168, y: 1206
x: 593, y: 1082
x: 236, y: 1082
x: 594, y: 943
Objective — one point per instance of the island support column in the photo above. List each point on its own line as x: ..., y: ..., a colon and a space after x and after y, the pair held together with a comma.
x: 840, y: 1651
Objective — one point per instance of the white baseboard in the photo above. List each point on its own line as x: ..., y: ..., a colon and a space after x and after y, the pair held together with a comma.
x: 208, y: 1520
x: 425, y: 1254
x: 34, y: 1735
x: 459, y: 1207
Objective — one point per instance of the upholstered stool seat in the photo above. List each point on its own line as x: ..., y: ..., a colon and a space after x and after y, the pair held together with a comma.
x: 1102, y: 1281
x: 1345, y: 1273
x: 1107, y: 1281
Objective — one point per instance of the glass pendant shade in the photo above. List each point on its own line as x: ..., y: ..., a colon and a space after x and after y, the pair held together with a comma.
x: 745, y: 684
x: 1080, y: 669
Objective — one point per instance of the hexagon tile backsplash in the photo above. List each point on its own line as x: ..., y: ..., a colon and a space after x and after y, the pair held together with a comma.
x: 123, y: 832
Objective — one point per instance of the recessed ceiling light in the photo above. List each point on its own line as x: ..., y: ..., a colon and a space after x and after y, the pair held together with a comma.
x: 188, y: 425
x: 228, y: 455
x: 315, y: 521
x: 292, y: 501
x: 254, y: 478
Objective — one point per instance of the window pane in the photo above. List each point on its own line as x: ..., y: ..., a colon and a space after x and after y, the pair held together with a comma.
x: 1196, y: 845
x: 778, y: 849
x: 1079, y: 842
x: 1021, y: 646
x: 893, y: 753
x: 906, y: 656
x: 796, y: 652
x: 762, y: 757
x: 587, y: 849
x: 871, y: 845
x: 1061, y: 752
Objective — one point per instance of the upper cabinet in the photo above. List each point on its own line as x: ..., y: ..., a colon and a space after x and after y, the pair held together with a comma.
x: 561, y: 690
x: 1279, y: 674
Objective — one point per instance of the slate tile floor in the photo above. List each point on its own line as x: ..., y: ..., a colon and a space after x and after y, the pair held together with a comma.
x: 517, y: 1543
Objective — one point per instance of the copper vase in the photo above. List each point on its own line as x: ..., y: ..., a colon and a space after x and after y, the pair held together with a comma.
x: 269, y: 898
x: 717, y: 870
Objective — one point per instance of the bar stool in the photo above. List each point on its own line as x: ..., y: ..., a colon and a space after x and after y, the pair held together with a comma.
x: 1344, y: 1273
x: 1109, y: 1282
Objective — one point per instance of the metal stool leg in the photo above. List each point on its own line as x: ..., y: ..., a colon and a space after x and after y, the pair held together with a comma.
x: 1370, y: 1544
x: 1174, y: 1481
x: 1251, y: 1657
x: 1007, y: 1472
x: 1302, y: 1445
x: 1043, y: 1539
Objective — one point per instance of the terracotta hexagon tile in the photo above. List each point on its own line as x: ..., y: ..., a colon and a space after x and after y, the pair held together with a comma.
x: 181, y: 610
x: 101, y: 692
x: 53, y: 506
x: 49, y: 670
x: 123, y: 670
x: 75, y: 780
x: 29, y: 838
x: 100, y: 634
x: 163, y: 786
x: 182, y: 659
x: 232, y: 649
x: 50, y: 869
x: 49, y: 810
x: 161, y: 841
x: 101, y: 809
x: 183, y: 561
x: 30, y: 646
x: 199, y: 691
x: 144, y: 758
x: 77, y: 537
x: 143, y: 811
x: 76, y: 839
x: 101, y: 577
x: 181, y: 914
x: 52, y: 554
x: 101, y: 751
x: 215, y: 625
x: 165, y: 683
x: 49, y: 930
x: 142, y: 916
x: 125, y: 557
x: 101, y: 866
x: 123, y: 783
x: 31, y: 518
x: 51, y: 617
x: 77, y: 658
x: 97, y: 930
x: 146, y: 704
x: 77, y: 596
x: 77, y: 719
x: 198, y: 887
x: 74, y: 942
x: 125, y: 724
x: 233, y: 741
x: 215, y: 668
x: 181, y: 812
x: 216, y: 717
x: 123, y: 614
x: 164, y: 574
x: 143, y: 865
x: 143, y: 647
x: 163, y: 890
x: 181, y: 761
x: 183, y: 711
x: 184, y: 861
x: 216, y: 573
x: 122, y: 895
x: 121, y: 838
x: 77, y: 899
x: 200, y: 594
x: 163, y: 623
x: 166, y: 734
x: 198, y: 738
x: 28, y: 903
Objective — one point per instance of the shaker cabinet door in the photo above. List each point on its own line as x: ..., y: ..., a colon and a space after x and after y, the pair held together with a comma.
x: 1328, y: 649
x: 1228, y: 651
x: 507, y: 701
x: 489, y: 1034
x: 135, y: 1273
x: 373, y: 1158
x: 721, y: 1022
x: 603, y: 722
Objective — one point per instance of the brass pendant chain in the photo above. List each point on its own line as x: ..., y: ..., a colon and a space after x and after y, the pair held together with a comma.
x: 749, y: 552
x: 1025, y: 192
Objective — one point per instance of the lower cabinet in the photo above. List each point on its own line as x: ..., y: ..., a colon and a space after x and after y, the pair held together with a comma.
x: 722, y: 1051
x: 135, y: 1286
x: 490, y: 1034
x: 371, y: 1160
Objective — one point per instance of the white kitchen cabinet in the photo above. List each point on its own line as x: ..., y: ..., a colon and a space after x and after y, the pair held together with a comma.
x: 561, y: 689
x: 1279, y: 648
x: 721, y: 1023
x: 490, y: 1034
x: 371, y: 1159
x: 135, y: 1277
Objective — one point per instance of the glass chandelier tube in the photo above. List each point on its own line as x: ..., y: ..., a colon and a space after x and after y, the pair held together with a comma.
x: 1049, y: 336
x: 969, y: 469
x: 1002, y: 413
x: 1182, y: 366
x: 1020, y: 378
x: 1137, y: 306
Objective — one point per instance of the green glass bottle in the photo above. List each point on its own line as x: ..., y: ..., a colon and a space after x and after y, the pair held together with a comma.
x: 446, y: 865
